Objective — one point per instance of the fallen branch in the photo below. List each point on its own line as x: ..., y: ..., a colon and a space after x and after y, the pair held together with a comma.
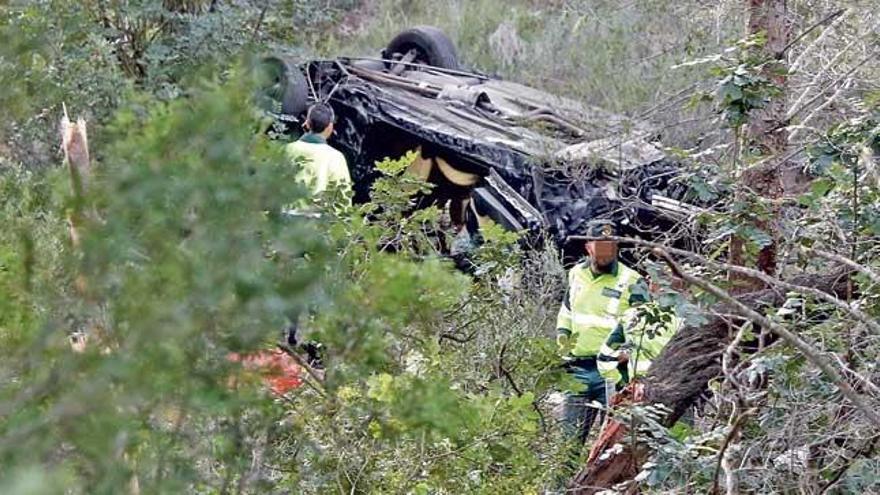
x: 806, y: 349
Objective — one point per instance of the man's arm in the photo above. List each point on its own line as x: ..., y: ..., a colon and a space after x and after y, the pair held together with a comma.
x: 563, y: 322
x: 339, y: 171
x: 648, y: 328
x: 615, y: 352
x: 613, y: 356
x: 340, y: 176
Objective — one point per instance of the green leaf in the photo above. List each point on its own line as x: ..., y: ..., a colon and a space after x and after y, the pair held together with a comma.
x: 728, y: 92
x: 821, y: 187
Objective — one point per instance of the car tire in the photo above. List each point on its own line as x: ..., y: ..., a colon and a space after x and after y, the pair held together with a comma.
x: 288, y: 85
x: 433, y: 47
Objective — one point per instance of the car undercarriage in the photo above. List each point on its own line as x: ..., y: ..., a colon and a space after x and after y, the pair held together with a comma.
x: 494, y: 150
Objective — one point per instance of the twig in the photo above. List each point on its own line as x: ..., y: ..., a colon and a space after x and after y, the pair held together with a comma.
x: 455, y: 338
x: 794, y: 112
x: 502, y: 371
x: 260, y: 21
x: 257, y: 453
x: 459, y: 308
x: 866, y: 450
x: 737, y: 416
x: 304, y: 365
x: 727, y: 357
x: 816, y: 78
x: 796, y: 63
x: 667, y: 101
x: 818, y: 110
x: 159, y: 30
x: 734, y: 429
x: 806, y: 349
x: 810, y: 29
x: 866, y: 382
x: 360, y: 473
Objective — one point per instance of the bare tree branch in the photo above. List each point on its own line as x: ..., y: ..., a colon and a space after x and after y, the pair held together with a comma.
x: 806, y: 349
x: 871, y: 274
x: 795, y: 109
x: 317, y: 381
x: 830, y: 17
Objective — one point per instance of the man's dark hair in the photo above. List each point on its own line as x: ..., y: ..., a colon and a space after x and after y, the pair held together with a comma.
x: 319, y: 117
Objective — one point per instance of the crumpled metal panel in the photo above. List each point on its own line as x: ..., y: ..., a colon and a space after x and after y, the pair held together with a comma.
x: 612, y: 151
x: 480, y: 143
x: 462, y: 94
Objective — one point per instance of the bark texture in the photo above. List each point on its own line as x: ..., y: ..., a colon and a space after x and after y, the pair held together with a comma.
x: 764, y: 135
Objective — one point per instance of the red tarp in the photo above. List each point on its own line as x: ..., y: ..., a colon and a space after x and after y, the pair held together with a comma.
x: 280, y: 372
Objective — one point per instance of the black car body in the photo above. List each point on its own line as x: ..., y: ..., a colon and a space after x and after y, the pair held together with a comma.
x: 528, y: 160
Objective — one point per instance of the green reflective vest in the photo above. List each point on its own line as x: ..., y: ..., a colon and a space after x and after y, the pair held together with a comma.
x: 593, y: 307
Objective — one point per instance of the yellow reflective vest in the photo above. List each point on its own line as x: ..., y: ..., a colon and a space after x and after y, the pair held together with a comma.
x: 642, y: 341
x: 593, y: 307
x: 323, y: 164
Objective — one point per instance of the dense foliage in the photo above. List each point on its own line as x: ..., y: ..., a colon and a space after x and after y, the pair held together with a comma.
x: 436, y: 381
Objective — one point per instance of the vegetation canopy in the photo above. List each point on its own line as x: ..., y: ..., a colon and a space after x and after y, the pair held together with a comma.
x: 148, y: 259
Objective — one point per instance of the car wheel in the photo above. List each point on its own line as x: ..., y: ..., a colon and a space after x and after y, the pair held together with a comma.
x: 286, y: 85
x: 431, y: 45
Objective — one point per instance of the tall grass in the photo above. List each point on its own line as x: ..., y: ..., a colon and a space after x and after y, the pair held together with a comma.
x: 615, y: 55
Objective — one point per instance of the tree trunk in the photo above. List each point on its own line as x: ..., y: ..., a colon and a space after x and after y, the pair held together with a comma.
x: 764, y: 133
x: 676, y: 379
x: 764, y: 136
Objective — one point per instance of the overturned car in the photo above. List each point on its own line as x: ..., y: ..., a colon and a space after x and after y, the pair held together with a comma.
x: 494, y: 149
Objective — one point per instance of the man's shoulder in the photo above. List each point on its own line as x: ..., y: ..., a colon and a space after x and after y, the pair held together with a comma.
x: 297, y: 148
x: 580, y: 266
x: 579, y: 269
x: 637, y: 286
x: 339, y: 164
x: 337, y: 155
x: 323, y: 149
x: 320, y: 152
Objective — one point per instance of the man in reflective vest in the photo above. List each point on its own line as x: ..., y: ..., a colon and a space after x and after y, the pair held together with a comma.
x: 600, y: 290
x: 323, y: 165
